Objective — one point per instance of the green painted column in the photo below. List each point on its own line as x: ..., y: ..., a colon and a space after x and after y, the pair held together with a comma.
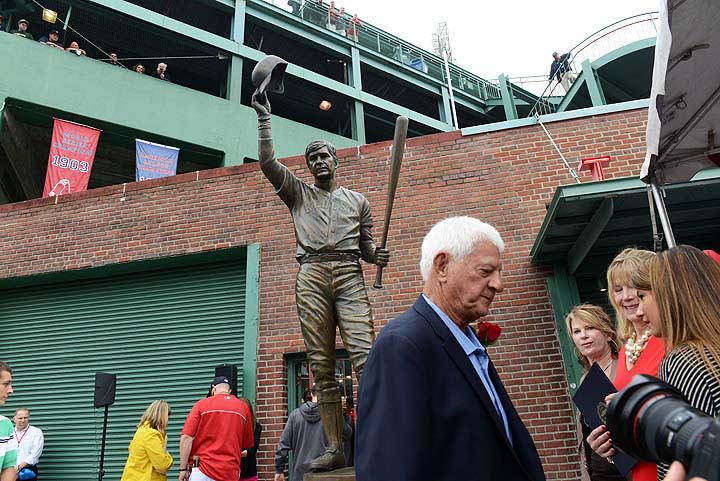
x: 234, y: 91
x: 252, y: 317
x: 236, y: 62
x: 444, y: 106
x: 564, y: 295
x: 507, y: 98
x: 355, y: 72
x: 357, y: 122
x: 597, y: 96
x: 357, y: 118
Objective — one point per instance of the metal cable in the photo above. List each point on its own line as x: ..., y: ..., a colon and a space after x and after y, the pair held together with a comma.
x: 570, y: 169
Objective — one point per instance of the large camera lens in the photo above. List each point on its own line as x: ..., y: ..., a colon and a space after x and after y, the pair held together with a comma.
x: 652, y: 420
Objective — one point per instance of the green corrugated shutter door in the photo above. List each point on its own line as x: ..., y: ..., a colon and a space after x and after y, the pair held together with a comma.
x: 161, y: 332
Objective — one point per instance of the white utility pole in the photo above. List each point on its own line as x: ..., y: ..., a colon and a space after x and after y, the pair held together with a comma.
x: 441, y: 45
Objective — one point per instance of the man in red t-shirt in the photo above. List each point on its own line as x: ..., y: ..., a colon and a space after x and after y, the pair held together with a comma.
x: 216, y: 431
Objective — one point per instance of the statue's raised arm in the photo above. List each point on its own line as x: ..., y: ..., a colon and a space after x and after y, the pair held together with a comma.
x: 267, y: 76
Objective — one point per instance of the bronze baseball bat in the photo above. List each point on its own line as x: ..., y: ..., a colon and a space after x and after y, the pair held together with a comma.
x: 398, y: 150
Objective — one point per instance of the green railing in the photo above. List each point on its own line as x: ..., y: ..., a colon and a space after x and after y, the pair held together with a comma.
x: 592, y: 47
x: 372, y: 38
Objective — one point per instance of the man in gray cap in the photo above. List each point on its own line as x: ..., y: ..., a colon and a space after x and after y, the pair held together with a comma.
x: 333, y: 231
x: 22, y: 29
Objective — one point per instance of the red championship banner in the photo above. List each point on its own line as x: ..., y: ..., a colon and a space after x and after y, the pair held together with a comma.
x: 72, y: 152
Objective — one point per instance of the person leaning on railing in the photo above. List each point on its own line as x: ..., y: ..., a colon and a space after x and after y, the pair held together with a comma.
x: 561, y: 70
x: 75, y: 48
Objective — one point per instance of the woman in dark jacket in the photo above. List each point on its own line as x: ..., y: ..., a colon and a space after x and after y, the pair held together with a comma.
x: 248, y: 464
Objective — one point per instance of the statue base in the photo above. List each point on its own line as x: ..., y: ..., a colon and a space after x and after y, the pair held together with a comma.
x: 344, y: 474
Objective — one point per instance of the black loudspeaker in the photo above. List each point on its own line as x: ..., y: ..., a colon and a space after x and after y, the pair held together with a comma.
x: 104, y: 389
x: 230, y: 372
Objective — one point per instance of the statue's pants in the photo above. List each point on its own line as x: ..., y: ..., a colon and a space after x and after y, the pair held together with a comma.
x: 331, y: 295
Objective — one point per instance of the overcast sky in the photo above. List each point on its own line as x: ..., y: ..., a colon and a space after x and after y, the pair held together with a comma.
x: 515, y: 37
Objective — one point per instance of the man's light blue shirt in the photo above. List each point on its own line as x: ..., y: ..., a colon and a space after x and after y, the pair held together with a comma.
x: 475, y: 351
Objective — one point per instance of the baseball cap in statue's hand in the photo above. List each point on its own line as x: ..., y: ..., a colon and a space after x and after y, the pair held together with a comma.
x: 220, y: 380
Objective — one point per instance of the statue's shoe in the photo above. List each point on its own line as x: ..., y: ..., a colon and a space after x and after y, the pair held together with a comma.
x: 328, y: 461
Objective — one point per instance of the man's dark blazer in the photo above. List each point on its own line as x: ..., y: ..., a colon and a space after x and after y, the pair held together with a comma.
x: 424, y: 414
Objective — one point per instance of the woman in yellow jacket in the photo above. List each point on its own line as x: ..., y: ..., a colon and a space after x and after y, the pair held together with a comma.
x: 148, y: 459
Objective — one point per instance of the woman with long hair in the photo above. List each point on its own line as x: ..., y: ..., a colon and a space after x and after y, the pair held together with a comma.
x: 248, y: 463
x: 148, y: 459
x: 641, y: 352
x: 596, y: 342
x: 680, y: 296
x: 678, y: 292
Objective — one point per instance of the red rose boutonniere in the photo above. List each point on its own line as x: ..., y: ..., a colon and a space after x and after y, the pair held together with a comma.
x: 488, y: 333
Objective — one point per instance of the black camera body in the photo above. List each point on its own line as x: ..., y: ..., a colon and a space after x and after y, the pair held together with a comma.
x: 652, y: 420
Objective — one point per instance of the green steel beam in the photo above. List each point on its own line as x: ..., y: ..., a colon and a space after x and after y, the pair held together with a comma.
x: 596, y: 65
x: 235, y: 79
x: 622, y: 51
x: 564, y: 295
x: 358, y: 122
x: 568, y: 98
x: 356, y: 94
x: 355, y: 69
x: 238, y: 22
x: 236, y: 63
x: 563, y: 193
x: 167, y: 23
x: 507, y: 98
x: 428, y: 84
x: 590, y: 234
x: 224, y: 5
x: 176, y: 112
x: 236, y: 48
x: 600, y: 190
x: 252, y: 319
x: 405, y: 74
x: 306, y: 30
x: 444, y: 106
x: 597, y: 96
x: 400, y: 110
x: 615, y: 89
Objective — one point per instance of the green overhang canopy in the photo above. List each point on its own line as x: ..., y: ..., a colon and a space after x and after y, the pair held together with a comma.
x: 587, y: 224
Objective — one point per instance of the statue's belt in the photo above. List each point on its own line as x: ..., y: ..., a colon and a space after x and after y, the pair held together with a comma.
x: 329, y: 257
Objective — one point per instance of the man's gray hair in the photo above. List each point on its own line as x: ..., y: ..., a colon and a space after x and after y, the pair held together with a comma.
x: 457, y: 237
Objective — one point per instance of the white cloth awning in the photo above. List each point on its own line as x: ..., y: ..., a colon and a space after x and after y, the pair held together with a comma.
x: 684, y: 110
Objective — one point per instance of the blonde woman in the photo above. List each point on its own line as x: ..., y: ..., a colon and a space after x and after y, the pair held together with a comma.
x: 595, y: 341
x: 148, y: 459
x: 641, y: 352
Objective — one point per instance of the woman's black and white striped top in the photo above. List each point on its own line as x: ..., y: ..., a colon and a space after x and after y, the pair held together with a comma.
x: 684, y: 369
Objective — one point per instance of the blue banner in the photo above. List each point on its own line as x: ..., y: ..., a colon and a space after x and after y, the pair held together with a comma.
x: 153, y: 161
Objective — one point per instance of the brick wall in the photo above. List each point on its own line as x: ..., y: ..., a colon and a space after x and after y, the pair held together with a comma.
x: 505, y: 178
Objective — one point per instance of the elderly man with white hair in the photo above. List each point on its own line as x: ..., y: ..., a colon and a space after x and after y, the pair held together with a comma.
x: 161, y: 72
x: 431, y: 405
